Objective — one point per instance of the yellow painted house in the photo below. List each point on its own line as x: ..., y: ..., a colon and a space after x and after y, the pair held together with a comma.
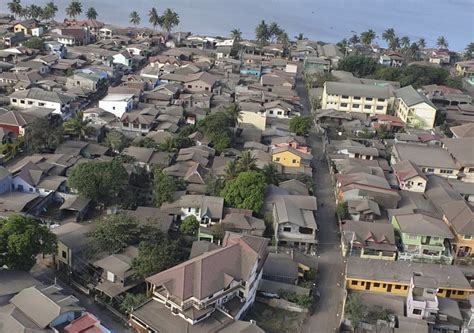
x: 291, y: 157
x: 393, y: 277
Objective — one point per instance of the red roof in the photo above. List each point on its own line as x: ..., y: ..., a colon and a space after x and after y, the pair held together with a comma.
x: 84, y: 324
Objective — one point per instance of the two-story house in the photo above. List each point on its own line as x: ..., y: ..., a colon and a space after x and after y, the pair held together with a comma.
x: 461, y: 150
x: 368, y: 240
x: 291, y: 157
x: 352, y: 97
x: 423, y: 238
x: 208, y: 293
x: 409, y: 176
x: 141, y: 121
x: 207, y: 209
x: 414, y: 109
x: 422, y: 302
x: 36, y: 97
x: 294, y: 221
x: 117, y: 104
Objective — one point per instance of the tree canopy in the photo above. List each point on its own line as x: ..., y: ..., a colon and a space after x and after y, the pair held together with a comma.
x: 168, y: 20
x: 216, y: 127
x: 189, y: 226
x: 134, y: 18
x: 43, y: 136
x: 21, y: 239
x: 164, y: 187
x: 116, y: 140
x: 358, y: 65
x: 74, y: 9
x: 245, y: 191
x: 115, y: 232
x: 77, y: 126
x: 301, y: 124
x: 34, y: 43
x: 98, y: 181
x: 91, y: 13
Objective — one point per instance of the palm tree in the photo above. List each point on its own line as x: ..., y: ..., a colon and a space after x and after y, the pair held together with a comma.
x: 300, y: 36
x: 74, y: 9
x: 271, y: 174
x: 405, y: 42
x: 91, y: 14
x: 354, y: 40
x: 168, y: 20
x: 49, y: 11
x: 115, y: 140
x: 77, y: 126
x: 273, y: 31
x: 134, y: 18
x: 34, y: 12
x: 413, y: 51
x: 153, y: 17
x: 15, y: 7
x: 234, y: 112
x: 236, y: 34
x: 283, y: 39
x: 247, y: 162
x: 388, y: 35
x: 168, y: 145
x: 442, y: 43
x: 231, y: 170
x: 262, y: 33
x: 394, y: 43
x: 421, y: 43
x: 367, y: 37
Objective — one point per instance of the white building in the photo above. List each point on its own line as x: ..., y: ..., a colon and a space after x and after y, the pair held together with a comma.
x: 353, y: 97
x: 36, y: 97
x: 117, y: 104
x: 422, y: 302
x: 414, y: 109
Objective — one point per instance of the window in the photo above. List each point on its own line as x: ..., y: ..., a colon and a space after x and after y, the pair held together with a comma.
x: 190, y: 86
x: 189, y: 210
x: 420, y: 184
x: 113, y: 107
x: 14, y: 100
x: 357, y: 98
x: 367, y: 107
x: 22, y: 101
x: 460, y: 292
x: 381, y: 99
x: 356, y: 106
x: 64, y: 254
x: 287, y: 229
x: 384, y: 285
x: 343, y: 105
x: 41, y: 104
x: 446, y: 171
x: 368, y: 98
x: 294, y: 161
x: 279, y: 113
x: 470, y: 170
x: 277, y: 159
x: 344, y: 96
x: 417, y: 311
x: 405, y: 287
x: 30, y: 102
x: 397, y: 286
x: 376, y: 284
x: 429, y: 170
x: 379, y: 107
x: 467, y: 237
x: 354, y: 283
x: 270, y: 112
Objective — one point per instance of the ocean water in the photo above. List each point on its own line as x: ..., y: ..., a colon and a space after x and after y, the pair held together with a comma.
x: 326, y: 20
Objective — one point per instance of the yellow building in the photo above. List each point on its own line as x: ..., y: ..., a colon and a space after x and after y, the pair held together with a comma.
x: 291, y: 157
x: 393, y: 277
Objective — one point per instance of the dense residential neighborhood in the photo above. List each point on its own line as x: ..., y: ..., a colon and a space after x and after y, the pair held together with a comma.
x: 155, y: 180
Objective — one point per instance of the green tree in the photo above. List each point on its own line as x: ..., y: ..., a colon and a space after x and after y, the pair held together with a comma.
x: 134, y: 18
x: 301, y: 125
x: 34, y: 12
x: 355, y: 310
x: 273, y: 31
x: 34, y: 43
x: 300, y: 36
x: 164, y: 187
x: 234, y: 112
x: 421, y: 43
x: 358, y: 65
x: 156, y: 256
x: 131, y: 301
x: 367, y: 37
x: 354, y: 40
x: 236, y: 34
x: 245, y: 191
x: 21, y: 239
x: 262, y: 33
x: 15, y: 8
x: 189, y: 226
x: 91, y: 14
x: 153, y: 18
x: 77, y: 126
x: 98, y: 181
x: 405, y: 42
x: 246, y: 162
x: 342, y: 211
x: 469, y: 51
x: 271, y: 174
x: 115, y: 232
x: 454, y: 82
x: 216, y: 127
x: 394, y: 44
x: 388, y: 35
x: 74, y: 9
x: 115, y: 140
x: 218, y: 230
x: 43, y: 136
x: 49, y: 11
x: 168, y: 20
x: 231, y: 170
x: 441, y: 42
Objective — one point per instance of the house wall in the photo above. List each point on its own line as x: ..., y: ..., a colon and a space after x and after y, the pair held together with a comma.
x: 21, y: 28
x: 197, y: 86
x: 421, y: 115
x: 415, y: 184
x: 287, y: 159
x: 118, y: 108
x: 26, y: 103
x: 253, y: 118
x: 355, y: 103
x: 399, y: 288
x: 278, y: 112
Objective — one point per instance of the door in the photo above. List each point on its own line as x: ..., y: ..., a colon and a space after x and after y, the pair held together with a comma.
x: 448, y: 293
x: 367, y: 286
x: 389, y: 288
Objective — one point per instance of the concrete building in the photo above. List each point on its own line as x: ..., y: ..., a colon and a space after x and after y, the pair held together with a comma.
x: 117, y: 104
x: 414, y: 108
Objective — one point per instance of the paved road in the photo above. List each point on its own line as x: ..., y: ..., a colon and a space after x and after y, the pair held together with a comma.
x: 46, y: 276
x: 326, y: 317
